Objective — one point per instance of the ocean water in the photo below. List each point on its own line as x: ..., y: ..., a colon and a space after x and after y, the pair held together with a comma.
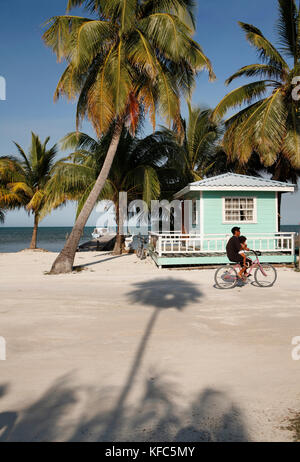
x: 52, y: 239
x: 290, y: 228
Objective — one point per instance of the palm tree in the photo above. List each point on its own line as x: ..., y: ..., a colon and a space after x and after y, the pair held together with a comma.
x: 133, y: 54
x: 133, y: 171
x: 269, y: 124
x: 26, y: 178
x: 197, y: 154
x: 192, y: 157
x: 10, y: 198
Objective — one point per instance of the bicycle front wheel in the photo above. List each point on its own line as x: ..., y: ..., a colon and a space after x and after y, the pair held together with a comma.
x: 226, y: 277
x: 265, y: 275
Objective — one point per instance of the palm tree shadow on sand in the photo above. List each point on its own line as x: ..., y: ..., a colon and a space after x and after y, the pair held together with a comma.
x: 7, y: 419
x: 155, y: 416
x: 161, y: 294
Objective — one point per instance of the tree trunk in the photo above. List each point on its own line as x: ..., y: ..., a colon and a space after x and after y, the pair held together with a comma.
x: 118, y: 248
x: 34, y: 234
x: 64, y: 261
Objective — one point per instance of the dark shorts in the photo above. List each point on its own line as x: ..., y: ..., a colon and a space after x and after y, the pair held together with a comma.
x: 239, y: 259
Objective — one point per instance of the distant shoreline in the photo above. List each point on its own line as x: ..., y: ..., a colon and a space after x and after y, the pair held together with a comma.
x: 52, y: 238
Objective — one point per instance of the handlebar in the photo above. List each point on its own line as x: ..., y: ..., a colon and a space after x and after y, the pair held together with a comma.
x: 257, y: 253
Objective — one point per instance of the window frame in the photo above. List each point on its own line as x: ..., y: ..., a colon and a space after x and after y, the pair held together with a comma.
x: 196, y: 212
x: 226, y: 222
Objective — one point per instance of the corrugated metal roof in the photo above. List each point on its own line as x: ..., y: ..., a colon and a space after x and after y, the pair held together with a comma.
x: 235, y: 180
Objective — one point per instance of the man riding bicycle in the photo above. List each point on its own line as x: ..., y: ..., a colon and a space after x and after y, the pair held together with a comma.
x: 233, y: 250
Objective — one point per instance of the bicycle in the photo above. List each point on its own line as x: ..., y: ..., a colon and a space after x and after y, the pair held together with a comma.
x: 142, y: 248
x: 265, y: 274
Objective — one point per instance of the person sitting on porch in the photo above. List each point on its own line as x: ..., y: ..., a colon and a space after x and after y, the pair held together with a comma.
x: 233, y: 249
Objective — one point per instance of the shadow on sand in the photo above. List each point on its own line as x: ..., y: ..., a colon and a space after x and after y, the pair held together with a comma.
x: 100, y: 413
x: 156, y: 416
x: 110, y: 255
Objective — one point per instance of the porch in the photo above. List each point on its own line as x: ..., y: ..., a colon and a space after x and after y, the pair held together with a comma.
x: 177, y: 249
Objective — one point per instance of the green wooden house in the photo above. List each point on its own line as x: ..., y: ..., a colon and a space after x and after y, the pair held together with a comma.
x: 211, y: 207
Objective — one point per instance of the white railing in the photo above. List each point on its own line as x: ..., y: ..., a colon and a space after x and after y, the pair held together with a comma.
x: 178, y: 243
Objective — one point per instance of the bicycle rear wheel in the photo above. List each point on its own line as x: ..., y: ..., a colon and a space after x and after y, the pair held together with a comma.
x: 143, y: 253
x: 226, y: 277
x: 265, y: 275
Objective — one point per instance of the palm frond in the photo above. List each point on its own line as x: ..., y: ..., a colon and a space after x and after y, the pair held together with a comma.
x: 291, y: 143
x: 69, y: 180
x: 201, y: 135
x: 184, y: 9
x: 10, y: 200
x: 141, y: 53
x: 287, y: 27
x: 262, y: 130
x: 23, y: 155
x: 60, y: 34
x: 91, y: 39
x: 69, y: 84
x: 79, y: 140
x: 12, y: 170
x: 261, y: 70
x: 151, y: 186
x: 267, y: 52
x: 83, y: 198
x: 36, y: 201
x: 242, y: 95
x: 99, y: 102
x: 168, y: 98
x: 91, y: 5
x: 20, y: 187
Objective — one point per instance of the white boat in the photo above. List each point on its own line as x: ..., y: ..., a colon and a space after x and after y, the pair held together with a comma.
x: 99, y: 232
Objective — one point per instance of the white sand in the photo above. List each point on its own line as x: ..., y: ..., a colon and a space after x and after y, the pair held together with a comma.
x: 126, y: 352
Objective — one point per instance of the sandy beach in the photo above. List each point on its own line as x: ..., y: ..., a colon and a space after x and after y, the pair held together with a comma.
x: 123, y: 351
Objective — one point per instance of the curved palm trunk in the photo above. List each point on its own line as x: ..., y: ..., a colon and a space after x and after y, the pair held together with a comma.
x: 35, y: 231
x: 64, y: 261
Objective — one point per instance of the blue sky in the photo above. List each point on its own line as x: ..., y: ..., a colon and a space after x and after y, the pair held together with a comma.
x: 31, y: 73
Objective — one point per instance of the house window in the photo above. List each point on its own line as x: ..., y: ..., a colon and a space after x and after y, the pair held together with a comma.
x: 240, y: 209
x: 194, y: 212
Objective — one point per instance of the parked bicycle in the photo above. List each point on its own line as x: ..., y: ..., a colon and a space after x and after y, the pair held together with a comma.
x: 142, y: 247
x: 265, y: 275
